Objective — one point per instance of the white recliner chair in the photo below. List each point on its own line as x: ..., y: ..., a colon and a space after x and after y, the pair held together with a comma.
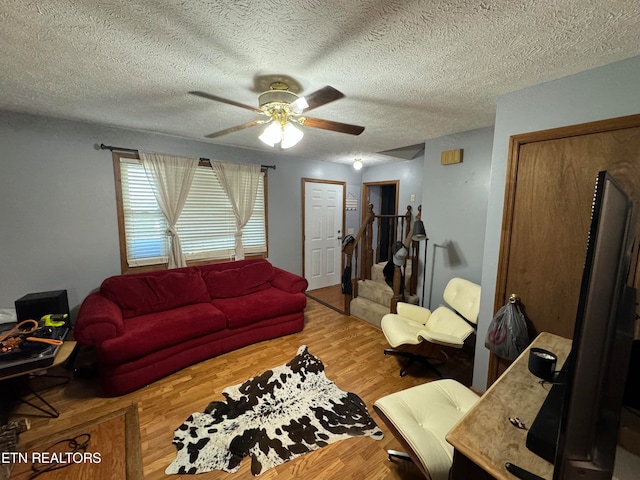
x: 445, y: 326
x: 420, y: 418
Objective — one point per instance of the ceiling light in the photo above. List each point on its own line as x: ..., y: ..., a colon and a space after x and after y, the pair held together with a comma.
x: 357, y: 163
x: 290, y: 135
x: 272, y: 134
x: 285, y: 134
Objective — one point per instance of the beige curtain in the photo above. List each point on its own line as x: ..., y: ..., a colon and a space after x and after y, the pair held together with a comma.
x: 240, y: 182
x: 170, y: 178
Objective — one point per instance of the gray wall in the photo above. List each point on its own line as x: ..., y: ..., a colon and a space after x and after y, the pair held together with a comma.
x: 285, y: 204
x: 454, y: 210
x: 352, y: 217
x: 58, y: 223
x: 454, y: 207
x: 409, y: 175
x: 601, y: 93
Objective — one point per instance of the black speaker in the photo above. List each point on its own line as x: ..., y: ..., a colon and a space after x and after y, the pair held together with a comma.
x: 35, y: 305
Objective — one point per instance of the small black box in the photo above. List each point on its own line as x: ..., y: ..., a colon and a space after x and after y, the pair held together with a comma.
x: 35, y: 305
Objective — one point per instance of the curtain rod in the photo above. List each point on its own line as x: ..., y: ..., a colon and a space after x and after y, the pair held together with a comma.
x: 133, y: 150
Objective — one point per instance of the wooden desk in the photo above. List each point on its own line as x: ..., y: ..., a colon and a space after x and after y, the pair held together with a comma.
x: 484, y: 439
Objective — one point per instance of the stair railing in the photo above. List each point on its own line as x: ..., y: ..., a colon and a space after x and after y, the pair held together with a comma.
x: 412, y: 254
x: 351, y: 273
x: 397, y: 226
x: 362, y: 248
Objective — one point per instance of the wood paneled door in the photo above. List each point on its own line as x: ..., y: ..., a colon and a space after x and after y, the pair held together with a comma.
x: 550, y: 184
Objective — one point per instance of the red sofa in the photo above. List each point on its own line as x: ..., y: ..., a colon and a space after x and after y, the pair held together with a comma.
x: 146, y: 326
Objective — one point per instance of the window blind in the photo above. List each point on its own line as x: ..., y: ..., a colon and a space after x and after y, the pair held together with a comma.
x: 206, y: 226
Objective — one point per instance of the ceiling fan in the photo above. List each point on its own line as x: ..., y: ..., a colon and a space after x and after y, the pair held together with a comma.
x: 284, y: 109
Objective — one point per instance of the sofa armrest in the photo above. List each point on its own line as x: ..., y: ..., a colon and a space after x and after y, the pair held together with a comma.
x: 99, y: 319
x: 289, y: 282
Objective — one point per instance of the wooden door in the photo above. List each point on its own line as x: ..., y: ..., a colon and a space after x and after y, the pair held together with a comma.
x: 550, y: 181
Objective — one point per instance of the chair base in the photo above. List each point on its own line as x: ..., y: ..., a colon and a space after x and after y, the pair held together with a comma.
x: 429, y: 363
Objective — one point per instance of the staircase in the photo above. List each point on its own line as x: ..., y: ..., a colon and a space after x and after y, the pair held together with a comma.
x: 374, y: 296
x: 371, y: 298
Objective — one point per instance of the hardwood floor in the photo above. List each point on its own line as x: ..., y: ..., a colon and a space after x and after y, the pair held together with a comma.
x: 331, y: 297
x: 352, y: 351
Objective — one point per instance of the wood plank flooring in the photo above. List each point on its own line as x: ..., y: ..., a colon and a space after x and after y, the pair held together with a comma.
x: 352, y: 351
x: 329, y: 296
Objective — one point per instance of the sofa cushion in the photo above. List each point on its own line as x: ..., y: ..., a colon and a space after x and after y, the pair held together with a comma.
x: 141, y: 294
x: 149, y: 333
x: 235, y: 282
x: 261, y: 305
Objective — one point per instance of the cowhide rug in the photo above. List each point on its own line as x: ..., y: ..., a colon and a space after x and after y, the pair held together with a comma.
x: 274, y: 417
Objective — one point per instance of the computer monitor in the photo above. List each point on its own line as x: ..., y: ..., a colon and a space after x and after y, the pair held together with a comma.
x: 595, y: 373
x: 597, y: 367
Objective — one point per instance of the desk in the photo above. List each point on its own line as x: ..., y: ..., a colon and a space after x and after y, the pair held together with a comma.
x: 63, y: 353
x: 484, y: 439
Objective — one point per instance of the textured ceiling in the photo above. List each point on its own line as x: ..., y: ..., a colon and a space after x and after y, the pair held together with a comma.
x: 410, y: 70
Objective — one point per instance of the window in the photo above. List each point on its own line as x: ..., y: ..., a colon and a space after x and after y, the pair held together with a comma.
x: 206, y: 225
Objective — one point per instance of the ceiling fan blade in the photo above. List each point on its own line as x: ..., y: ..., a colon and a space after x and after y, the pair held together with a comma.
x: 235, y: 129
x: 322, y: 97
x: 225, y: 100
x: 333, y: 126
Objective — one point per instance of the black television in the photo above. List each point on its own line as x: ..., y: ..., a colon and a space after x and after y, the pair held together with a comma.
x: 590, y: 387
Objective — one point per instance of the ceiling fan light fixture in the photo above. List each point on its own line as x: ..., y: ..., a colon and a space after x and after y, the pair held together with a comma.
x: 283, y: 109
x: 272, y: 134
x: 278, y: 94
x: 357, y: 163
x: 290, y: 135
x: 287, y: 135
x: 299, y: 105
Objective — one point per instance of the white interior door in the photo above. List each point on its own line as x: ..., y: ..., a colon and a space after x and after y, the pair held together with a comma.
x: 323, y: 223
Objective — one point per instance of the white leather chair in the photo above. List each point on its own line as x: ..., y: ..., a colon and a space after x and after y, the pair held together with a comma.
x: 445, y: 326
x: 420, y: 418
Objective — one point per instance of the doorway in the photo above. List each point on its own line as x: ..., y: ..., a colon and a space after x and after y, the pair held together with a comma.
x: 384, y: 198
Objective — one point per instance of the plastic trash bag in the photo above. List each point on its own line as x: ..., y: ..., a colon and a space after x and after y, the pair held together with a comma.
x: 507, y: 336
